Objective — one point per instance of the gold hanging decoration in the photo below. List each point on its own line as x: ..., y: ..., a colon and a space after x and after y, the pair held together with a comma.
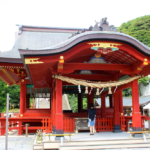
x: 97, y: 92
x: 86, y: 90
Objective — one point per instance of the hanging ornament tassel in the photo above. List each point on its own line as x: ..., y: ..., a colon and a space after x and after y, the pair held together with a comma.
x: 101, y: 91
x: 97, y: 92
x: 86, y: 90
x: 79, y: 88
x: 90, y: 90
x: 109, y: 92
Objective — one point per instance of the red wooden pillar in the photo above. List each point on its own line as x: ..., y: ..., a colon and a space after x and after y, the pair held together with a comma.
x: 20, y: 128
x: 90, y: 97
x: 27, y: 100
x: 79, y: 102
x: 120, y: 101
x: 58, y: 107
x: 117, y: 114
x: 103, y: 106
x: 22, y: 98
x: 110, y: 101
x: 136, y: 115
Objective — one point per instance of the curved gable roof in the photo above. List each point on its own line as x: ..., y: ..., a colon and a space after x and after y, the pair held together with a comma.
x: 90, y: 35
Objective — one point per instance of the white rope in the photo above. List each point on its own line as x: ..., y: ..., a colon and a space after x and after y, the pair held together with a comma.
x: 115, y: 89
x: 90, y: 91
x: 101, y: 91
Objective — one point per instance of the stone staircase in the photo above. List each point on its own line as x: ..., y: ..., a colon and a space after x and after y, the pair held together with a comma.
x: 107, y: 144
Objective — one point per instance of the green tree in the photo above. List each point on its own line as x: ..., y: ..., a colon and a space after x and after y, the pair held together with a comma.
x: 138, y: 28
x: 14, y: 95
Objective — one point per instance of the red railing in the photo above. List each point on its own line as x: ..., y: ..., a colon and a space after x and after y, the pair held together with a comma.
x: 69, y: 125
x: 123, y: 123
x: 47, y: 125
x: 104, y: 124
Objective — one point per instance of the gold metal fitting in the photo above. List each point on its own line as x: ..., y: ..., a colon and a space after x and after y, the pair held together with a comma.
x: 61, y: 61
x: 145, y: 63
x: 21, y: 115
x: 22, y: 80
x: 139, y: 68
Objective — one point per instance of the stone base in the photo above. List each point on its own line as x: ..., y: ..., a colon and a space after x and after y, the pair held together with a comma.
x: 136, y: 135
x: 58, y: 138
x: 117, y: 129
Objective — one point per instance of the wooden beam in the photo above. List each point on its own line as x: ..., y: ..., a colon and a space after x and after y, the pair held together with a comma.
x: 4, y: 80
x: 94, y: 66
x: 95, y: 77
x: 8, y: 75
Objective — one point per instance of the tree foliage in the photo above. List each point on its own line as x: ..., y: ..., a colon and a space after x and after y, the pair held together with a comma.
x: 138, y: 28
x: 73, y: 100
x: 14, y: 95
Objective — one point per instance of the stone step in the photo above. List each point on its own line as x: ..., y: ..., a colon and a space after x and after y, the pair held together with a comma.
x: 109, y: 146
x: 97, y: 144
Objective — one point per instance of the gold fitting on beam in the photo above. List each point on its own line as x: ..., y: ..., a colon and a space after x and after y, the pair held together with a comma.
x: 61, y: 57
x: 145, y: 63
x: 60, y: 67
x: 61, y: 61
x: 97, y: 56
x: 145, y: 59
x: 120, y: 71
x: 22, y: 80
x: 139, y: 68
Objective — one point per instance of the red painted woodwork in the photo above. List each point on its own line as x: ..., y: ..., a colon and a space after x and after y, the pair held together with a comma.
x: 47, y: 125
x: 92, y: 66
x: 20, y: 128
x: 58, y: 106
x: 117, y: 114
x: 111, y: 101
x: 69, y: 125
x: 120, y: 101
x: 123, y: 123
x: 103, y: 106
x: 136, y: 115
x: 79, y: 102
x: 90, y: 98
x: 27, y: 100
x: 22, y: 97
x: 103, y: 124
x: 95, y: 77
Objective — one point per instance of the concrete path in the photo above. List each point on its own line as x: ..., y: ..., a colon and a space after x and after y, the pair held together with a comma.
x: 26, y: 143
x: 17, y: 143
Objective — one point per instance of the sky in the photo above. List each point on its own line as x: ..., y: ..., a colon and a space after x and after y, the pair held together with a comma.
x: 64, y: 13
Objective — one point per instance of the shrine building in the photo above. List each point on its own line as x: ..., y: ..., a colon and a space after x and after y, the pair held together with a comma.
x: 95, y: 62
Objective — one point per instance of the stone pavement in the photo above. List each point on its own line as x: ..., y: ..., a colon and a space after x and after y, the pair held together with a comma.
x: 26, y: 143
x: 17, y: 142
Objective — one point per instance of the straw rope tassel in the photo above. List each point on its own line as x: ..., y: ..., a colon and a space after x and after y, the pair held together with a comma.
x: 109, y: 92
x: 97, y: 92
x: 86, y: 90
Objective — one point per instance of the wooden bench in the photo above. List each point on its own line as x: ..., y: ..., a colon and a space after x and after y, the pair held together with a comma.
x: 139, y: 132
x: 59, y: 135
